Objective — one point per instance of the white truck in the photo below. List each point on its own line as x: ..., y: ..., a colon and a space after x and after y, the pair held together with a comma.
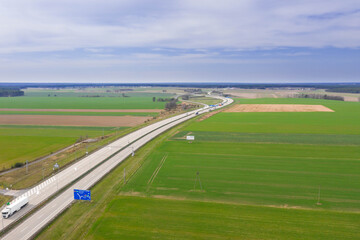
x: 15, y: 206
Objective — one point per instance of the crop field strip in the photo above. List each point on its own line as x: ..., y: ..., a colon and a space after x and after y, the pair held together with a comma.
x: 287, y: 178
x: 331, y: 139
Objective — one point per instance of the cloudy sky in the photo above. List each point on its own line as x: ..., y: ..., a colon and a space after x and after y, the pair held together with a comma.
x: 186, y: 40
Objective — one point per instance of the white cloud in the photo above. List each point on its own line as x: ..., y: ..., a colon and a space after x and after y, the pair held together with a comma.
x: 39, y: 25
x: 184, y: 39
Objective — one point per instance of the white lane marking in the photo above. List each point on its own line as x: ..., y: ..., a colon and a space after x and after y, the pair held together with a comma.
x: 23, y: 229
x: 54, y: 206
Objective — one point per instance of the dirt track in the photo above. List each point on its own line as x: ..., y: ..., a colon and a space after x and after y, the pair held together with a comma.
x: 81, y: 110
x: 278, y: 108
x: 59, y: 120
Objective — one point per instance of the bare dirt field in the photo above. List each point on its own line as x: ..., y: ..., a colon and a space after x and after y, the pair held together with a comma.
x: 278, y: 108
x: 59, y: 120
x: 81, y: 110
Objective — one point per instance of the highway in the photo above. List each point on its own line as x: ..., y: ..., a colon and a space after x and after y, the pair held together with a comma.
x: 113, y: 153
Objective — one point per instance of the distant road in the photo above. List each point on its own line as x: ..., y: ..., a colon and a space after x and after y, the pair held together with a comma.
x: 115, y: 152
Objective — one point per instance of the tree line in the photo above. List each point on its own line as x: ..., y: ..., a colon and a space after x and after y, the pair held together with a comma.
x: 317, y: 96
x: 11, y: 92
x: 345, y: 90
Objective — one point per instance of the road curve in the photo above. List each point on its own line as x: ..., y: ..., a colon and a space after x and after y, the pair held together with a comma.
x: 113, y: 153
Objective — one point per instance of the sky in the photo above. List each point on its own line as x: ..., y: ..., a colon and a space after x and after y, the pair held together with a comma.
x: 124, y: 41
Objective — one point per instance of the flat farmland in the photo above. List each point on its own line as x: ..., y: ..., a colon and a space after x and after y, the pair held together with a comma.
x: 292, y: 175
x: 262, y: 174
x: 21, y: 143
x: 63, y: 120
x: 344, y: 120
x: 149, y: 218
x: 36, y: 125
x: 81, y: 103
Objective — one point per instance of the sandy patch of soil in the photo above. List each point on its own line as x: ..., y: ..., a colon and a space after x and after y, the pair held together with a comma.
x: 351, y: 99
x: 81, y: 110
x: 55, y: 120
x: 278, y: 108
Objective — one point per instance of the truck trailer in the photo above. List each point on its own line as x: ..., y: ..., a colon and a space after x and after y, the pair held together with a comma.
x: 15, y: 206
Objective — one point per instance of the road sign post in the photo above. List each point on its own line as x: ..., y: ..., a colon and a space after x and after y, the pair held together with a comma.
x: 82, y: 194
x: 190, y: 138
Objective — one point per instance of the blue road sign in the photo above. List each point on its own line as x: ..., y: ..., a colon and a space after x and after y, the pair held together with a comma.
x: 82, y: 194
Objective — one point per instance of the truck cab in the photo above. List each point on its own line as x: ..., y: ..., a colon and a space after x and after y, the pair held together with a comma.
x: 5, y: 212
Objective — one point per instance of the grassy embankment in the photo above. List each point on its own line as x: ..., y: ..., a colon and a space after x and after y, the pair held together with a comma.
x: 259, y: 181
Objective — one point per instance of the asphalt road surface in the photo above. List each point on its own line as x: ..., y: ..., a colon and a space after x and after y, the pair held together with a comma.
x: 114, y: 153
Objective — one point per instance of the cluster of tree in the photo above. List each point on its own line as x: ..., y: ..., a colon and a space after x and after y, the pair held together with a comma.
x: 189, y: 106
x: 217, y: 92
x: 318, y: 96
x: 185, y: 97
x: 345, y: 90
x: 11, y: 92
x: 193, y: 90
x: 165, y: 99
x: 171, y: 105
x: 89, y: 96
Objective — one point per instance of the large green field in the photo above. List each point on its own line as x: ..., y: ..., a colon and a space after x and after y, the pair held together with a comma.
x: 21, y: 143
x: 149, y: 218
x: 345, y: 119
x: 81, y: 103
x: 79, y: 113
x: 262, y: 176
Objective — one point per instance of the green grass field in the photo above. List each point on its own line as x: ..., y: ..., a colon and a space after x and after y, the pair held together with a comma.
x: 152, y: 114
x: 263, y: 176
x: 149, y: 218
x: 81, y: 103
x: 345, y: 119
x: 21, y: 143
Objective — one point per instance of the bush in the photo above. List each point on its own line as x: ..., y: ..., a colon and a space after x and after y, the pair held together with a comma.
x: 170, y: 105
x: 17, y: 165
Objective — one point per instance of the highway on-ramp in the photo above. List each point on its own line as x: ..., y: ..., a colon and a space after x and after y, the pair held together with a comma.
x: 91, y: 169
